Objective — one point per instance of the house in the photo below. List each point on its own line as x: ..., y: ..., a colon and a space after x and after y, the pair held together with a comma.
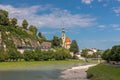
x: 94, y: 50
x: 91, y: 51
x: 45, y: 46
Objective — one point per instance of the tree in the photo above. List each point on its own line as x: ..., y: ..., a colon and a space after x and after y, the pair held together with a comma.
x: 29, y: 55
x: 37, y: 56
x: 4, y: 17
x: 40, y: 35
x: 42, y: 38
x: 84, y: 54
x: 74, y: 47
x: 3, y: 56
x: 115, y: 53
x: 33, y: 29
x: 112, y: 54
x: 13, y: 54
x: 62, y: 54
x: 14, y: 21
x: 25, y: 24
x: 106, y: 54
x: 56, y: 42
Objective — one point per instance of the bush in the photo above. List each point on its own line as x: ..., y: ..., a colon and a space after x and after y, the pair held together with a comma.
x: 29, y: 55
x: 62, y: 54
x: 112, y: 54
x: 106, y: 54
x: 4, y: 56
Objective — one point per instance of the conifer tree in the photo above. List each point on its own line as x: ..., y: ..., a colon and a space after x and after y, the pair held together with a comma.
x: 74, y: 47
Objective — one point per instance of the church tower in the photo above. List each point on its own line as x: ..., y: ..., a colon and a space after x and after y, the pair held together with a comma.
x: 63, y: 37
x: 65, y: 40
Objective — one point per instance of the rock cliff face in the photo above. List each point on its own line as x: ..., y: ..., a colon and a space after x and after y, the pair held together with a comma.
x: 17, y: 37
x: 19, y: 42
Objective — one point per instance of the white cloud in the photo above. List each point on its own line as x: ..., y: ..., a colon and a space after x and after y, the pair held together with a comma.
x: 110, y: 26
x: 118, y: 29
x: 87, y: 1
x: 101, y: 26
x: 118, y: 0
x: 54, y: 19
x: 117, y: 10
x: 115, y: 25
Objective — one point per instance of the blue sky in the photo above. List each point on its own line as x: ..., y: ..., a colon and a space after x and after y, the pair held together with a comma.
x: 92, y: 23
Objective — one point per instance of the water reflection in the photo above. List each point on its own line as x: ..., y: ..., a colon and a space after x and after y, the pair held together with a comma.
x: 38, y: 72
x: 29, y: 75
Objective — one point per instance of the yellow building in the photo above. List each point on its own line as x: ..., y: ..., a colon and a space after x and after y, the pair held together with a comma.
x: 66, y: 42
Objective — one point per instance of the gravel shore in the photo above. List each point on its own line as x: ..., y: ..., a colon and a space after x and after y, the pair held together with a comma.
x: 76, y: 73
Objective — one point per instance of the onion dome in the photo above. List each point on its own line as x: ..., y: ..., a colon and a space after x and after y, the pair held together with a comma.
x: 67, y: 40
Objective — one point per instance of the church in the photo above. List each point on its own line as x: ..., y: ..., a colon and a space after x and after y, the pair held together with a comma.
x: 66, y: 42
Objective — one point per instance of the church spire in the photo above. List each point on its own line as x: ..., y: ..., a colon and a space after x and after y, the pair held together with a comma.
x: 63, y: 37
x: 63, y: 31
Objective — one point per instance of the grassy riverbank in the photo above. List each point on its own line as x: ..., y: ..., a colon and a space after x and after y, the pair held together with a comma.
x: 24, y: 63
x: 41, y: 70
x: 104, y: 72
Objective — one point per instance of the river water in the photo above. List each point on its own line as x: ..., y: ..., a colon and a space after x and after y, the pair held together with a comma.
x: 37, y: 72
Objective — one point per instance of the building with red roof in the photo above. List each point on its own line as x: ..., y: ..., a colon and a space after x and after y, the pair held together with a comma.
x: 66, y: 42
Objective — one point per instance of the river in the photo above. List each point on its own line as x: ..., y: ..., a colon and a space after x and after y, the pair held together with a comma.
x: 36, y: 72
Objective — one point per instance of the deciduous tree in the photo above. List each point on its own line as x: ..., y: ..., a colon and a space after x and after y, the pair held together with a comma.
x: 33, y: 29
x: 25, y: 24
x: 56, y: 41
x: 14, y: 21
x: 4, y: 17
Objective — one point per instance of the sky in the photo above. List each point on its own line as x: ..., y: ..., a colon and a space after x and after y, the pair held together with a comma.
x: 92, y: 23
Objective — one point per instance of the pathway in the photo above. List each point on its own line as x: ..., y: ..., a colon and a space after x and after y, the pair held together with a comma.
x: 76, y: 73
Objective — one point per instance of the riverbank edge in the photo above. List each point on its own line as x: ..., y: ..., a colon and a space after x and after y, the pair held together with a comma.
x: 76, y: 73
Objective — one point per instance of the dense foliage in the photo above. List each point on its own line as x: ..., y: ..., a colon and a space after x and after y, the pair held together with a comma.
x: 112, y: 54
x: 56, y: 41
x: 41, y: 37
x: 4, y: 17
x: 33, y: 29
x: 38, y: 55
x: 85, y: 54
x: 25, y: 24
x: 74, y: 47
x: 14, y: 21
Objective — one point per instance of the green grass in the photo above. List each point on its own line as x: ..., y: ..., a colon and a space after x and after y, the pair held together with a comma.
x: 23, y: 63
x: 104, y: 72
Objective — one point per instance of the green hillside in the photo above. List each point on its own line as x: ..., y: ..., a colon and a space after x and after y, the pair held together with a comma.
x: 15, y: 38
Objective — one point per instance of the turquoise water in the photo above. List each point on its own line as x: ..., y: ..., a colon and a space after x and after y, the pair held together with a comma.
x: 38, y: 72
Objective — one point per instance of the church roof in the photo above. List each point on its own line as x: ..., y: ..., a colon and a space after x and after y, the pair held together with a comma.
x: 67, y: 40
